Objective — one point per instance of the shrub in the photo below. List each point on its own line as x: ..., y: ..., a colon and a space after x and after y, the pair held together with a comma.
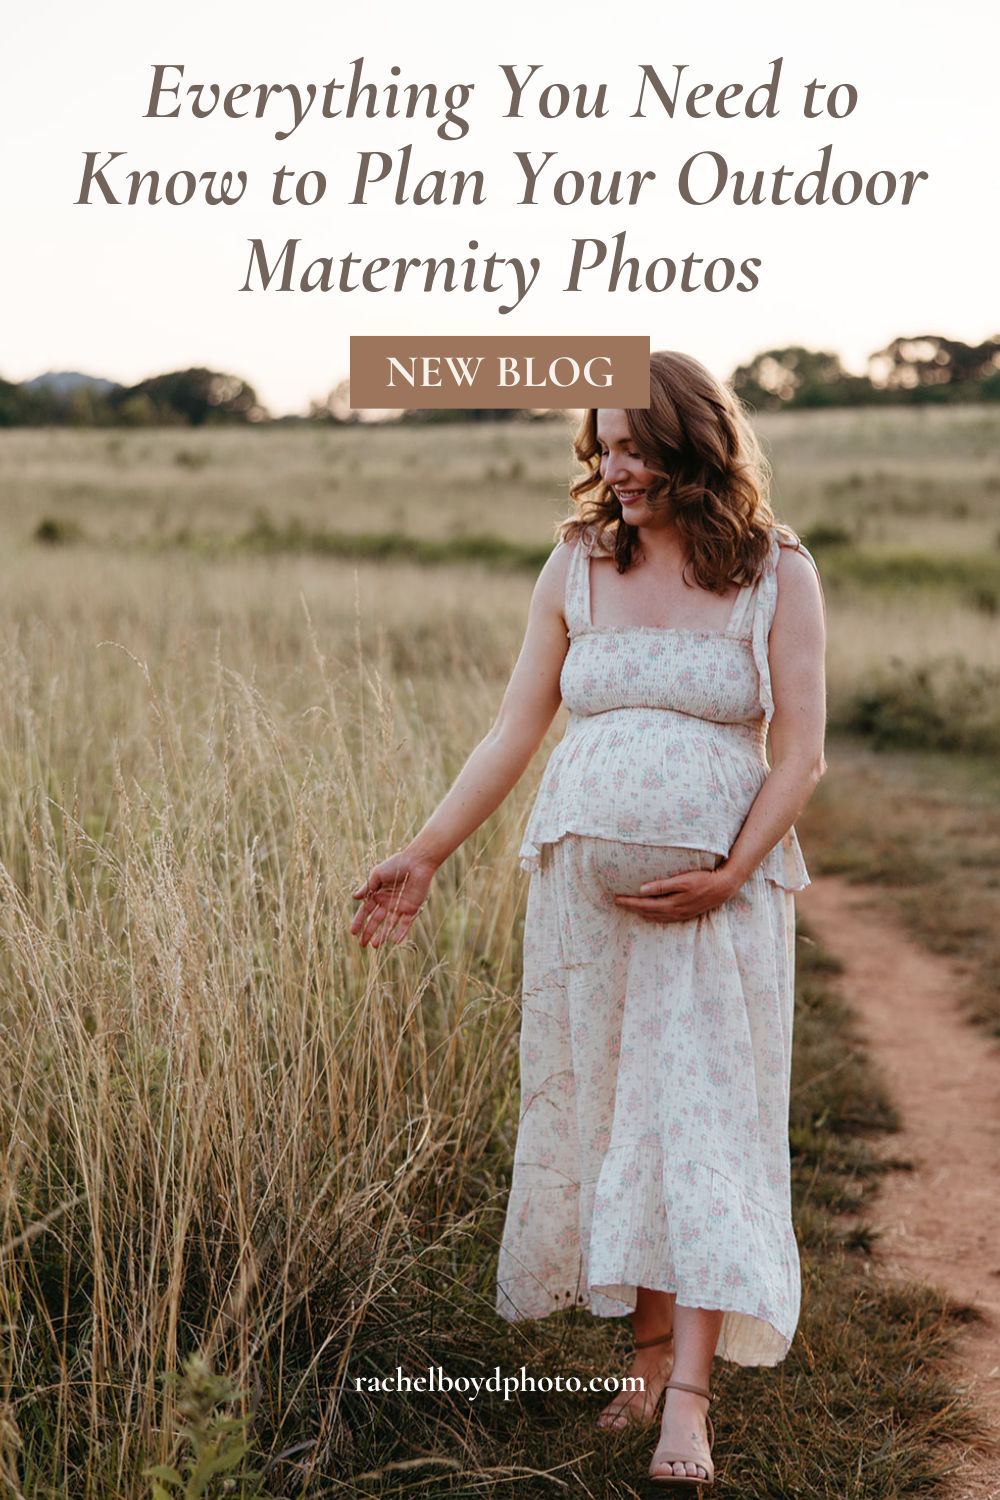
x: 933, y: 705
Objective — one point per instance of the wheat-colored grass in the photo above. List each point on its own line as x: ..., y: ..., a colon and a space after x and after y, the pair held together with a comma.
x: 152, y: 485
x: 218, y: 1111
x: 896, y: 478
x: 866, y: 636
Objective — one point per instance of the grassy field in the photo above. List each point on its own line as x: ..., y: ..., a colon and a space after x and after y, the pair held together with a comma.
x: 892, y: 478
x: 903, y: 506
x: 232, y: 1136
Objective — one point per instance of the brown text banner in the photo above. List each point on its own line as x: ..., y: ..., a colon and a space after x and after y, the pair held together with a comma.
x: 459, y: 370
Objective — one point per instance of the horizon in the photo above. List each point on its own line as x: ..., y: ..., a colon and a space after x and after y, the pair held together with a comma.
x: 85, y: 377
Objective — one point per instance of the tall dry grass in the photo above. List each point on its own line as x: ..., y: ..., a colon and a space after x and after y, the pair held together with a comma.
x: 227, y: 1128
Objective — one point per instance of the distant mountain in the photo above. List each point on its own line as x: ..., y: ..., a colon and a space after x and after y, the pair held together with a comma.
x: 65, y: 382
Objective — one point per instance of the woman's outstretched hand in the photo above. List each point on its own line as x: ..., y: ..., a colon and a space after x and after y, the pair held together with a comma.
x: 681, y: 898
x: 390, y: 899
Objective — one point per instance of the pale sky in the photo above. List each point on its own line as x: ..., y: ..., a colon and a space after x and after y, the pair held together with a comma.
x: 125, y: 292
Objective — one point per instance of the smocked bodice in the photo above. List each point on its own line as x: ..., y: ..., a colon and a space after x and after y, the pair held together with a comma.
x: 703, y: 674
x: 665, y: 742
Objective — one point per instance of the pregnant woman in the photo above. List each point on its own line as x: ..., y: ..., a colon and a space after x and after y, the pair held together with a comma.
x: 684, y: 633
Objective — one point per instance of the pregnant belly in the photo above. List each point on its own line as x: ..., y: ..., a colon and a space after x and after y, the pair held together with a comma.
x: 620, y: 869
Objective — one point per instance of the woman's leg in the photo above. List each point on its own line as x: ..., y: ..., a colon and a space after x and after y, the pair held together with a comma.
x: 683, y: 1429
x: 652, y: 1323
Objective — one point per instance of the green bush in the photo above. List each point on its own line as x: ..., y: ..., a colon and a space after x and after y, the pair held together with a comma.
x: 934, y: 705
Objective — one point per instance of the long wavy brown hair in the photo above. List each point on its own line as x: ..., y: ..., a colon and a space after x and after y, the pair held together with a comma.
x: 712, y: 475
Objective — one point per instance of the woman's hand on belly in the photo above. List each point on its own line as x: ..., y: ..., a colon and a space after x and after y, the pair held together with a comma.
x: 681, y: 898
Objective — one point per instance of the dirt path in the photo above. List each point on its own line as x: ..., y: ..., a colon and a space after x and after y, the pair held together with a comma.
x: 940, y: 1223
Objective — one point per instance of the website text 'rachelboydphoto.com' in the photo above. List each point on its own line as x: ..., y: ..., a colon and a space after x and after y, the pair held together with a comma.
x: 436, y: 1381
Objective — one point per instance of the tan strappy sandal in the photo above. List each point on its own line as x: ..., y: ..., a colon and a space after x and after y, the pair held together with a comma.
x: 623, y: 1411
x: 665, y: 1338
x: 693, y: 1481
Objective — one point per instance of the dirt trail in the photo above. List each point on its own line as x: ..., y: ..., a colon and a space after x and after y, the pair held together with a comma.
x: 940, y: 1223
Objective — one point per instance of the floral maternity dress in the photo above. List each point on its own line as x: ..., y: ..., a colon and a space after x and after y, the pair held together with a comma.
x: 653, y: 1143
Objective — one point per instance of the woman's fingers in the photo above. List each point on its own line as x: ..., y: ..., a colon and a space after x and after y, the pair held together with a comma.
x: 366, y: 921
x: 390, y: 899
x: 366, y: 894
x: 389, y: 925
x: 402, y: 928
x: 375, y: 932
x: 369, y: 908
x: 664, y: 887
x: 382, y: 913
x: 379, y: 926
x: 662, y: 908
x: 678, y: 898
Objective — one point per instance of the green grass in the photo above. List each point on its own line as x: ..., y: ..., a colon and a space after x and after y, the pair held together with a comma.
x: 975, y: 578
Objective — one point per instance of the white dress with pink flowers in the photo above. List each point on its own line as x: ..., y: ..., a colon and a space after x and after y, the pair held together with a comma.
x: 653, y: 1144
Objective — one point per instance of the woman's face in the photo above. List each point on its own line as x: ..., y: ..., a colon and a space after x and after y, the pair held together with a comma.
x: 623, y: 469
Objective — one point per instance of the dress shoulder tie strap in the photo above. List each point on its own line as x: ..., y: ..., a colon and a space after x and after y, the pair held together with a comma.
x: 577, y: 603
x: 744, y: 605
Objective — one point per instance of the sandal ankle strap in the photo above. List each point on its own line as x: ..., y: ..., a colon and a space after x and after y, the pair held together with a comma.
x: 696, y: 1390
x: 651, y: 1343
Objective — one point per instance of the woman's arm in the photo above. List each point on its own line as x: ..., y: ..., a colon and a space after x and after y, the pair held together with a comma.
x: 396, y: 889
x: 795, y: 656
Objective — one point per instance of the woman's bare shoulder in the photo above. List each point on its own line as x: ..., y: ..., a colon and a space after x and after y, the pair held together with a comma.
x: 798, y: 579
x: 794, y: 561
x: 551, y: 586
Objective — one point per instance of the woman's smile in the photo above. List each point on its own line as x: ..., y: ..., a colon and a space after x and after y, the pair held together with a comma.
x: 623, y: 467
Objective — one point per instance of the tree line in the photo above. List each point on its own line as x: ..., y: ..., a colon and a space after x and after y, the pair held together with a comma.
x: 925, y: 369
x: 928, y: 368
x: 182, y: 398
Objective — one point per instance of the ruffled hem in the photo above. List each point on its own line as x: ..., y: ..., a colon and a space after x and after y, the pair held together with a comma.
x: 784, y: 866
x: 746, y: 1337
x: 631, y: 1246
